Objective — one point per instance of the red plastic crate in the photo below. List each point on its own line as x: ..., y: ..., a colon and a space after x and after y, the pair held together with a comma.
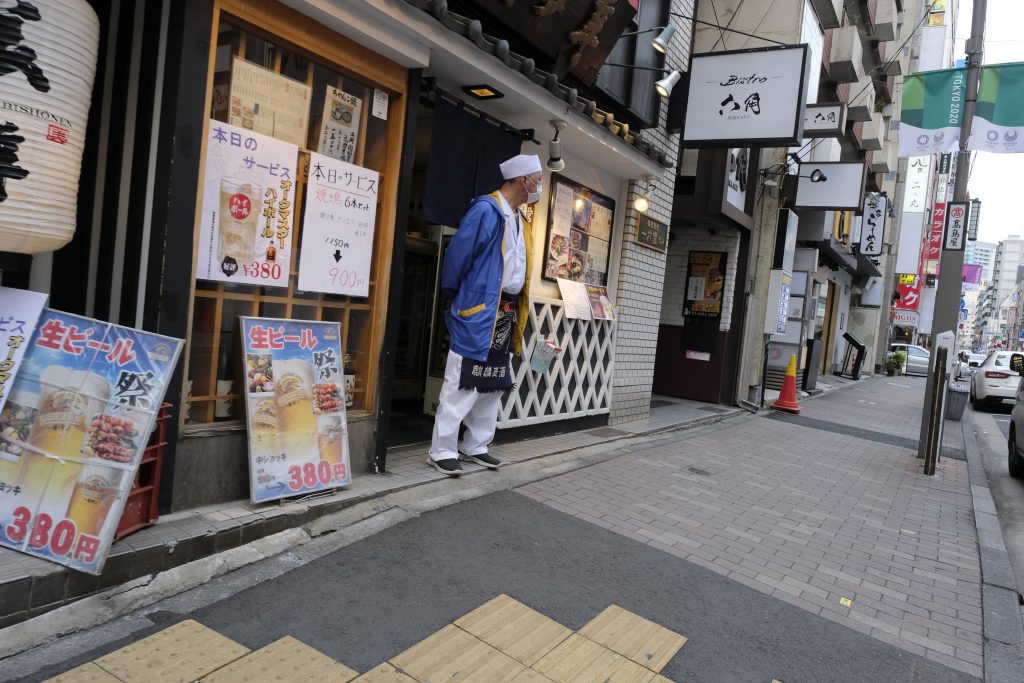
x: 140, y: 510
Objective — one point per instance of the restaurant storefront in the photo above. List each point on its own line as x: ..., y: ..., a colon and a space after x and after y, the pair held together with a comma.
x: 211, y: 205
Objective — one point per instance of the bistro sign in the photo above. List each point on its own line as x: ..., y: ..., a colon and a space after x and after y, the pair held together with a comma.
x: 745, y: 98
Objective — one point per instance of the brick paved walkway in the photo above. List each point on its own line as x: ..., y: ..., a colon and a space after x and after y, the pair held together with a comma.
x: 811, y: 517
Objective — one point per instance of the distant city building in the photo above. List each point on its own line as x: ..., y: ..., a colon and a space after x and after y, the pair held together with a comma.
x: 981, y: 254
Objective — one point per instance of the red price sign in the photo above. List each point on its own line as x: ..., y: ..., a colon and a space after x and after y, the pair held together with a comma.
x: 264, y: 271
x: 309, y: 475
x: 60, y: 537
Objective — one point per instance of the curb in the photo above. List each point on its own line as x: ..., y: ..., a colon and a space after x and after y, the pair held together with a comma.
x: 1001, y: 613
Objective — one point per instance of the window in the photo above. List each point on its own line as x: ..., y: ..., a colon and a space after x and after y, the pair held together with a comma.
x: 214, y: 360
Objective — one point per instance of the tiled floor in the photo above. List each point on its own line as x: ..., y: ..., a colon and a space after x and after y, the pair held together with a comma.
x: 844, y: 527
x: 502, y: 640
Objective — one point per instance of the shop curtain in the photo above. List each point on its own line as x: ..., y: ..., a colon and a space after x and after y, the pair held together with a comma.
x: 465, y: 152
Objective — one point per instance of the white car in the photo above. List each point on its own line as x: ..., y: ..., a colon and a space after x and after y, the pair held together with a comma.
x: 993, y: 381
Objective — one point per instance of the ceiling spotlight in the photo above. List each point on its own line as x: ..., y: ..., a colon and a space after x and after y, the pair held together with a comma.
x: 664, y: 38
x: 665, y: 85
x: 482, y: 92
x: 555, y: 162
x: 817, y: 176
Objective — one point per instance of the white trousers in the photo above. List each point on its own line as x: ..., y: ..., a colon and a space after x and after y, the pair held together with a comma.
x: 479, y: 412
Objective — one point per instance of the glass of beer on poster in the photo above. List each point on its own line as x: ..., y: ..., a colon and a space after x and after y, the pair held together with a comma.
x: 240, y: 202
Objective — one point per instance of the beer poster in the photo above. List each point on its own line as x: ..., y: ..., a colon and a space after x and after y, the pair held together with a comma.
x: 295, y: 407
x: 337, y: 228
x: 72, y: 434
x: 705, y: 284
x: 248, y: 215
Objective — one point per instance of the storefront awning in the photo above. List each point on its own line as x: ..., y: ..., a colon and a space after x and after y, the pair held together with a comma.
x: 836, y: 252
x: 865, y: 266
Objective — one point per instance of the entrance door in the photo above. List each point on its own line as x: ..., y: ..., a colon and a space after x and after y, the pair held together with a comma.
x: 825, y: 328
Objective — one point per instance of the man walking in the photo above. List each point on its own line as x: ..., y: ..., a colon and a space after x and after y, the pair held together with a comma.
x: 486, y: 273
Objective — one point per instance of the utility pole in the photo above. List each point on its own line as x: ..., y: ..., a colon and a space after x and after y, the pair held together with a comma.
x: 951, y: 264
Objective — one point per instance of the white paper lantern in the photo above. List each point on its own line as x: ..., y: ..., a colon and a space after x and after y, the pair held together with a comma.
x: 47, y: 63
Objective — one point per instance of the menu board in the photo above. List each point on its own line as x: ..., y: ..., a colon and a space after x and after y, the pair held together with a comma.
x: 339, y: 132
x: 72, y: 434
x: 245, y: 233
x: 651, y: 233
x: 705, y: 284
x: 295, y: 407
x: 585, y: 302
x: 579, y: 233
x: 19, y: 313
x: 338, y: 226
x: 268, y: 103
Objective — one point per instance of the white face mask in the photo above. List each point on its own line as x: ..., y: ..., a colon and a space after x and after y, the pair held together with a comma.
x: 534, y: 197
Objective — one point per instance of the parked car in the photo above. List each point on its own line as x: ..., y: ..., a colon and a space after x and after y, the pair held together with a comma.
x: 917, y: 358
x: 1015, y: 461
x: 975, y: 359
x: 993, y: 381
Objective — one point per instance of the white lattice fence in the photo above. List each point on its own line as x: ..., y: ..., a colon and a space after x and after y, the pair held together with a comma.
x: 579, y: 384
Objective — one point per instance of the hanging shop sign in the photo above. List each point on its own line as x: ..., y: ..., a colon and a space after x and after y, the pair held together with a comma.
x: 19, y: 313
x: 268, y: 103
x: 956, y: 226
x: 830, y: 185
x: 72, y: 434
x: 746, y: 98
x: 910, y: 295
x: 907, y: 278
x: 579, y: 232
x: 915, y: 192
x: 825, y: 120
x: 47, y: 64
x: 248, y: 207
x: 339, y: 132
x: 338, y: 227
x: 295, y: 407
x: 906, y: 318
x: 737, y: 178
x: 651, y: 233
x: 872, y: 228
x: 705, y: 284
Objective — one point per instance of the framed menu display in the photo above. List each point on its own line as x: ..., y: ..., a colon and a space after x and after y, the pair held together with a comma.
x: 579, y: 233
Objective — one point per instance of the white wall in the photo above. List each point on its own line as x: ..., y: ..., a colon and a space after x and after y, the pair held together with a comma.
x: 697, y: 239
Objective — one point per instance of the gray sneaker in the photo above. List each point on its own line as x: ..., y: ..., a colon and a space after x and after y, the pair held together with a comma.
x: 488, y: 461
x: 449, y: 466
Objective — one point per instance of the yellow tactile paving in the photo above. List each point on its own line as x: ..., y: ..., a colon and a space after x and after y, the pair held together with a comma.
x: 181, y: 653
x: 385, y: 673
x: 522, y: 633
x: 87, y: 673
x: 643, y: 641
x: 283, y: 660
x: 453, y: 654
x: 579, y: 660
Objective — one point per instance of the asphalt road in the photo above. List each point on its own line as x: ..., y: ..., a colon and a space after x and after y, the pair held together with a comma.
x: 1008, y: 493
x: 373, y: 599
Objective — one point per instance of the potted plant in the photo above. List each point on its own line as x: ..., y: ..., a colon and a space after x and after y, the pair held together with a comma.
x: 894, y: 362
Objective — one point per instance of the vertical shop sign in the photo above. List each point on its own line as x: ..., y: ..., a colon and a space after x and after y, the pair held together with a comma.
x: 956, y: 226
x: 19, y: 313
x: 916, y: 190
x: 339, y: 132
x: 268, y: 103
x: 705, y: 284
x: 248, y: 200
x: 933, y: 251
x: 72, y: 434
x: 338, y: 226
x: 872, y: 230
x: 295, y: 407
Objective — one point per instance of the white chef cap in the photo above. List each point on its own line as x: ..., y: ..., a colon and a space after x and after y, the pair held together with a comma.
x: 520, y: 165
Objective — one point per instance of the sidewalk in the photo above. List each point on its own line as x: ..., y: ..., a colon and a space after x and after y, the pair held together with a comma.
x: 829, y: 512
x: 30, y: 587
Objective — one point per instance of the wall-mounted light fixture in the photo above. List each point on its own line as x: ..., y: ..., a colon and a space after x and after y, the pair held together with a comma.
x: 664, y: 85
x: 643, y: 201
x: 555, y: 162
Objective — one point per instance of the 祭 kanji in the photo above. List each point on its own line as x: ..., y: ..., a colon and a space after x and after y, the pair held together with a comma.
x: 16, y: 55
x: 9, y: 169
x: 325, y: 363
x: 135, y: 389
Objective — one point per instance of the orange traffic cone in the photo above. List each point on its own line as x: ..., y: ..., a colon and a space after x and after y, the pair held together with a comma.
x: 787, y: 399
